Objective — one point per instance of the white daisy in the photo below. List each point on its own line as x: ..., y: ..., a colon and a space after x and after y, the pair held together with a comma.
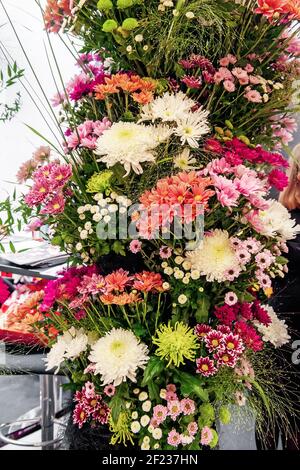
x: 127, y: 143
x: 117, y: 356
x: 192, y: 127
x: 185, y: 161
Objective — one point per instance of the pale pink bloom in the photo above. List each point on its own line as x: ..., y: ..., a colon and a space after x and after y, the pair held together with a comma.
x: 171, y: 396
x: 90, y: 369
x: 231, y: 298
x: 165, y: 252
x: 224, y: 62
x: 248, y: 184
x: 252, y: 245
x: 253, y: 218
x: 239, y: 73
x: 290, y: 124
x: 243, y: 256
x: 284, y: 135
x: 174, y: 409
x: 187, y: 406
x: 135, y: 246
x: 192, y: 428
x: 89, y: 389
x: 232, y: 273
x: 244, y: 80
x: 258, y: 202
x: 232, y: 59
x: 264, y: 259
x: 174, y: 438
x: 249, y: 68
x: 227, y: 193
x: 254, y: 80
x: 206, y: 436
x: 171, y: 388
x: 34, y: 224
x: 25, y: 171
x: 264, y: 280
x: 110, y: 390
x: 58, y: 99
x: 41, y: 154
x: 229, y: 86
x: 218, y: 166
x: 89, y: 142
x: 160, y: 413
x: 253, y: 96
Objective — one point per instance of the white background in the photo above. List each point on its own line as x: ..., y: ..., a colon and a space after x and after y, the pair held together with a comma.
x: 17, y: 142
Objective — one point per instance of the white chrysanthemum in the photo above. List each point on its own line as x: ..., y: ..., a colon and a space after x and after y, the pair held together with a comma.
x: 117, y: 356
x: 169, y: 107
x: 277, y: 221
x: 275, y: 333
x: 192, y: 127
x: 68, y: 346
x: 185, y: 161
x: 127, y: 143
x: 56, y: 356
x: 215, y: 257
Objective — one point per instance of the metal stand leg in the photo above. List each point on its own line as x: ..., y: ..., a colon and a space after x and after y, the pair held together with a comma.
x: 47, y: 410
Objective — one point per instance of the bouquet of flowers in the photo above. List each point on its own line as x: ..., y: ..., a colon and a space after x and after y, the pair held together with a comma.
x: 160, y: 194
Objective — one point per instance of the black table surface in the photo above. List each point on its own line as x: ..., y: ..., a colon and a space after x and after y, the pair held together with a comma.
x: 6, y: 266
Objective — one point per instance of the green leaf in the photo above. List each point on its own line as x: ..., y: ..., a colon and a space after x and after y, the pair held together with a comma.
x: 189, y: 384
x: 153, y: 390
x: 12, y: 247
x: 154, y: 367
x: 202, y: 311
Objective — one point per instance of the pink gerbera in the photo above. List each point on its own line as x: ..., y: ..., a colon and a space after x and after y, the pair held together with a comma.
x: 205, y: 366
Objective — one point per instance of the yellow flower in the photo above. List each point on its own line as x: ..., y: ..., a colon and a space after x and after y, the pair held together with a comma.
x: 175, y: 344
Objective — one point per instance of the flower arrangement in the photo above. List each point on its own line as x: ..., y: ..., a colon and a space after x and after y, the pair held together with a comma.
x: 161, y: 198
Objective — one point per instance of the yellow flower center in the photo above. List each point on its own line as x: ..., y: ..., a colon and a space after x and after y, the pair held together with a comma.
x: 230, y: 345
x: 56, y: 206
x: 204, y: 367
x: 215, y: 342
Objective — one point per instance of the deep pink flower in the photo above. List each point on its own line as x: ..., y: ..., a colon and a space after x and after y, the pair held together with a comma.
x: 55, y: 205
x: 201, y: 330
x: 214, y: 340
x: 278, y: 179
x: 226, y: 358
x: 192, y: 82
x: 206, y: 366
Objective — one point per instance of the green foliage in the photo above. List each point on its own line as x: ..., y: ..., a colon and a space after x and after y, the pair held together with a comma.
x: 7, y: 80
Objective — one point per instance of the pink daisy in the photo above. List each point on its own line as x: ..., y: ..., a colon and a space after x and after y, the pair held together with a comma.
x: 192, y: 428
x: 214, y: 340
x: 110, y: 390
x: 206, y: 436
x: 135, y: 246
x: 174, y: 409
x: 225, y: 358
x: 231, y: 298
x: 187, y: 406
x: 201, y: 330
x: 174, y: 438
x: 165, y: 252
x: 160, y: 413
x: 233, y: 343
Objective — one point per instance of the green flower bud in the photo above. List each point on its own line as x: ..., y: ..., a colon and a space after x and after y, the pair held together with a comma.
x: 224, y: 415
x: 121, y: 4
x: 207, y: 413
x: 215, y: 439
x: 229, y: 124
x: 104, y: 5
x: 109, y: 26
x: 244, y: 139
x: 129, y: 24
x: 99, y: 182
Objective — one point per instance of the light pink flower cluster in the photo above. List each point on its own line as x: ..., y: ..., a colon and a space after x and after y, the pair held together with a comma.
x: 245, y: 369
x: 224, y: 349
x: 233, y: 182
x: 174, y: 410
x: 86, y: 134
x: 90, y: 407
x: 283, y: 128
x: 48, y: 188
x: 41, y: 155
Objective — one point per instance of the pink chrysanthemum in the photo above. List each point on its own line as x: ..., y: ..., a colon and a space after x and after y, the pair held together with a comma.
x: 214, y: 340
x: 187, y: 406
x: 174, y: 409
x: 225, y: 358
x: 192, y: 428
x: 206, y: 436
x: 174, y: 438
x: 202, y: 330
x: 160, y: 413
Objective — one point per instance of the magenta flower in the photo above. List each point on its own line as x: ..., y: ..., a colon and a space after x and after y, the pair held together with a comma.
x: 55, y: 205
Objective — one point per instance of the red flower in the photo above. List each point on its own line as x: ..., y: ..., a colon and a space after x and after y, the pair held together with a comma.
x: 260, y: 313
x: 226, y: 314
x: 214, y: 340
x: 101, y: 414
x: 233, y: 343
x: 201, y: 330
x: 213, y: 145
x: 278, y: 179
x: 226, y: 358
x: 206, y: 366
x: 249, y: 336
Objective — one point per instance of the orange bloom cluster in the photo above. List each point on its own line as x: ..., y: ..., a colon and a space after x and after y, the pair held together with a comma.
x: 119, y: 280
x: 269, y: 8
x: 140, y: 89
x: 184, y: 195
x: 55, y: 13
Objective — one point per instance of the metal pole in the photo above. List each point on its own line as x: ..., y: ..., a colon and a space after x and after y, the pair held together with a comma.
x: 47, y: 410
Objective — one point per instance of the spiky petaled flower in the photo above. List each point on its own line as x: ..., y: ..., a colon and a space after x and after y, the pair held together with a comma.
x: 117, y: 356
x: 127, y: 143
x: 215, y: 257
x: 206, y: 366
x: 175, y: 344
x: 99, y: 182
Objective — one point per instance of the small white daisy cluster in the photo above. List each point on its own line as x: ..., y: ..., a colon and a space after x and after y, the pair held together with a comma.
x: 163, y: 4
x: 92, y: 214
x: 142, y: 420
